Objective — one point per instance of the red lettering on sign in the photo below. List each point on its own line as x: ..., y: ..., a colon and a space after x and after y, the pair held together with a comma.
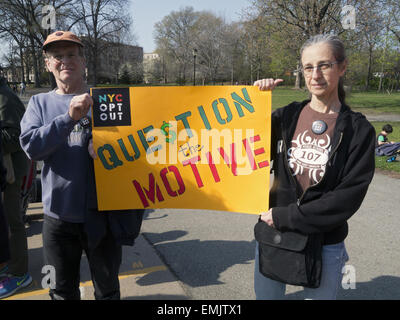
x: 192, y: 162
x: 232, y: 161
x: 258, y: 152
x: 154, y: 190
x: 249, y: 154
x: 178, y: 178
x: 213, y: 167
x: 153, y: 193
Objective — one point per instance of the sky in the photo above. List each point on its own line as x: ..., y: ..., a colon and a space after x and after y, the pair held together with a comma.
x: 146, y: 13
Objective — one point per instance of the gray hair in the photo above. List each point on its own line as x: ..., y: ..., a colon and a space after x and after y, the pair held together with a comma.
x: 338, y: 51
x: 334, y: 42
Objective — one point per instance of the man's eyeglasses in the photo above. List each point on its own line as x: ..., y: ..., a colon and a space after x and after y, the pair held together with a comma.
x: 59, y: 57
x: 323, y: 67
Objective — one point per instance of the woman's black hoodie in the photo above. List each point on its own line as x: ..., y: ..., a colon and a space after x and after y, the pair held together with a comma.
x: 326, y: 206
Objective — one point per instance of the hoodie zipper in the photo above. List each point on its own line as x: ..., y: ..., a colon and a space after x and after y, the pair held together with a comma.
x: 286, y: 160
x: 327, y: 162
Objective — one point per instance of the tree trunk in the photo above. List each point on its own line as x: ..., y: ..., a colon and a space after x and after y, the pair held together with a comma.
x: 251, y: 73
x: 22, y: 63
x: 380, y: 88
x: 298, y: 77
x: 94, y: 63
x: 369, y: 70
x: 232, y: 74
x: 35, y: 63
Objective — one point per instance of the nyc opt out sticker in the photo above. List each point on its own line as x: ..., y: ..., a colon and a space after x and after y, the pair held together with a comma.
x: 111, y: 107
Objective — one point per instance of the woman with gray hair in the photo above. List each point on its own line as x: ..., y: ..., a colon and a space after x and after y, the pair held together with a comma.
x: 323, y: 163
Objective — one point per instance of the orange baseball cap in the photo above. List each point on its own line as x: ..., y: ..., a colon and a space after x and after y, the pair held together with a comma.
x: 61, y: 36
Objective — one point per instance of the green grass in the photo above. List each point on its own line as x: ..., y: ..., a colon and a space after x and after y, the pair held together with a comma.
x: 374, y: 103
x: 282, y: 96
x: 380, y: 162
x: 365, y: 102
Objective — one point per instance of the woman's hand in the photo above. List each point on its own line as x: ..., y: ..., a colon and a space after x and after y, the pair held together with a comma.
x: 267, y: 84
x: 267, y: 217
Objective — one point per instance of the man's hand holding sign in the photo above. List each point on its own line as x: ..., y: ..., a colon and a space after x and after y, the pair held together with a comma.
x: 79, y: 106
x: 182, y: 147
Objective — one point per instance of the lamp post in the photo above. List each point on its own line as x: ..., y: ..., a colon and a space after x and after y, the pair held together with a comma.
x: 194, y: 65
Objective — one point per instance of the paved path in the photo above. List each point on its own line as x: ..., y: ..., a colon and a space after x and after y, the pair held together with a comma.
x: 212, y: 253
x: 389, y: 117
x: 142, y: 275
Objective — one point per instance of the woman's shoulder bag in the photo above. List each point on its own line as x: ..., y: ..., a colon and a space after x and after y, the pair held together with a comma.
x: 289, y: 257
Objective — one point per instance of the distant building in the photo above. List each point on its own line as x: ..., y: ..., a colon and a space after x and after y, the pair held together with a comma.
x: 114, y: 60
x: 13, y: 74
x: 152, y: 68
x: 150, y: 56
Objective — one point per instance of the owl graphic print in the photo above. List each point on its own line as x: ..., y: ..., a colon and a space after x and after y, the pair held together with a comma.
x: 311, y: 145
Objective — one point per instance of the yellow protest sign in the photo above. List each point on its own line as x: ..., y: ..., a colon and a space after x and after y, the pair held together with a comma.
x: 182, y: 147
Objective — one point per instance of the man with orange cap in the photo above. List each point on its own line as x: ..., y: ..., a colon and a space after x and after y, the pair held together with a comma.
x: 56, y: 130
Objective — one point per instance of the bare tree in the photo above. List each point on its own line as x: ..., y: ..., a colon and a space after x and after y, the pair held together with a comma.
x: 99, y: 22
x: 370, y: 27
x: 211, y: 43
x: 175, y: 40
x: 297, y: 20
x: 393, y: 10
x: 22, y: 20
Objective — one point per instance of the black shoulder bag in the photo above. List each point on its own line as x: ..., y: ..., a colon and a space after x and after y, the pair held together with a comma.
x: 289, y: 257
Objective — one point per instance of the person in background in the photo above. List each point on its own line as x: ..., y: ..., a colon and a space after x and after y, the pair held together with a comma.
x: 22, y: 86
x: 15, y: 274
x: 384, y: 147
x: 382, y: 137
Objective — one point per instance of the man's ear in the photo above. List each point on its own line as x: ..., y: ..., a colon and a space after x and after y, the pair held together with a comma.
x: 47, y: 63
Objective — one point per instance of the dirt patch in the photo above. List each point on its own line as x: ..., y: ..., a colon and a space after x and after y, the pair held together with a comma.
x: 392, y: 174
x: 388, y: 117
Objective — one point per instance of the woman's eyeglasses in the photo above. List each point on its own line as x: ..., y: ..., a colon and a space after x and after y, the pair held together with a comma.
x: 323, y: 67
